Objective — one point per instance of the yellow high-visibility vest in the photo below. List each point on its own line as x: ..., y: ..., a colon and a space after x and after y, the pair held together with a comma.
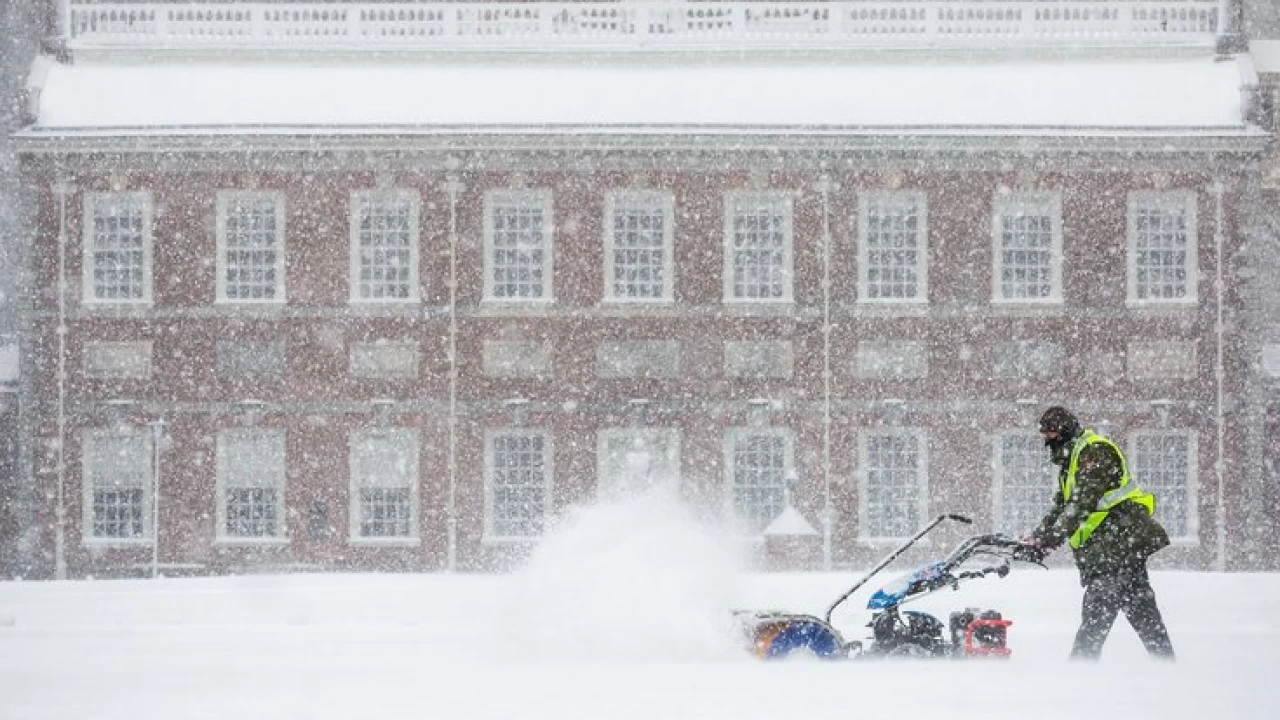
x: 1125, y: 491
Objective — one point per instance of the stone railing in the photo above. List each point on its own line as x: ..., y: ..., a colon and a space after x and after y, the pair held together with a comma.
x: 639, y: 25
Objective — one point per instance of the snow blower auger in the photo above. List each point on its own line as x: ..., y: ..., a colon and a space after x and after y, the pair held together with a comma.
x: 895, y: 632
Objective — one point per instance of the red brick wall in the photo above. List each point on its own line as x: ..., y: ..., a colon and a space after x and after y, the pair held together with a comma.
x: 961, y: 329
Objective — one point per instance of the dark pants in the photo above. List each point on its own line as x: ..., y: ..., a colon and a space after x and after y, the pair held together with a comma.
x: 1128, y: 590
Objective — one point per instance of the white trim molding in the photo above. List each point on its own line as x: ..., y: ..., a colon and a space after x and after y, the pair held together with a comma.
x: 1168, y: 219
x: 523, y: 206
x: 901, y: 217
x: 123, y: 215
x: 649, y: 207
x: 1025, y: 218
x: 392, y: 266
x: 766, y: 232
x: 265, y: 271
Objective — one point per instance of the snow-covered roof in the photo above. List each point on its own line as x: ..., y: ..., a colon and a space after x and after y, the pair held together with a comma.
x: 1070, y: 96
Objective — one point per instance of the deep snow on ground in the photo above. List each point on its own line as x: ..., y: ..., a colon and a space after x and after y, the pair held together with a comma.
x: 619, y: 616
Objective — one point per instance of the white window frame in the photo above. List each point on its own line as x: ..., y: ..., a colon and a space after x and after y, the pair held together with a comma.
x: 409, y: 443
x: 89, y: 439
x: 94, y: 201
x: 733, y: 202
x: 922, y: 480
x: 224, y: 200
x: 865, y: 200
x: 278, y: 482
x: 362, y: 199
x: 1184, y: 200
x: 548, y: 481
x: 1041, y: 458
x: 1038, y: 203
x: 731, y: 437
x: 541, y: 199
x: 657, y: 200
x: 666, y: 439
x: 1133, y: 458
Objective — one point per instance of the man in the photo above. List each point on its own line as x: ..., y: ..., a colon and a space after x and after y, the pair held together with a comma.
x: 1107, y: 520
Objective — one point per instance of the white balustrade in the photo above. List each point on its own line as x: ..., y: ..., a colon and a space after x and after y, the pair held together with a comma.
x: 640, y: 24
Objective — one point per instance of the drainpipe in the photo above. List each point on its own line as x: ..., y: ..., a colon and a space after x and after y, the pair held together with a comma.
x: 453, y: 187
x: 157, y: 434
x: 61, y: 188
x: 1219, y: 372
x: 64, y: 20
x: 828, y: 514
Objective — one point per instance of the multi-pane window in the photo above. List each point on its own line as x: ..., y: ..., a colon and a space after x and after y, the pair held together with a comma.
x: 384, y: 479
x: 117, y: 247
x: 894, y: 466
x: 1028, y: 248
x: 638, y: 246
x: 635, y: 460
x: 757, y: 463
x: 1025, y: 482
x: 1162, y: 247
x: 251, y: 480
x: 384, y: 246
x: 1164, y: 464
x: 758, y: 253
x: 518, y: 242
x: 893, y: 252
x: 118, y: 487
x: 250, y: 247
x: 519, y: 483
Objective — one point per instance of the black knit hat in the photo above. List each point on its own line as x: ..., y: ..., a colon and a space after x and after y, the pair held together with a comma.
x: 1059, y: 420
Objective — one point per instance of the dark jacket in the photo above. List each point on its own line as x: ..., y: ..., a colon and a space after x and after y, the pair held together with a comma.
x: 1127, y: 537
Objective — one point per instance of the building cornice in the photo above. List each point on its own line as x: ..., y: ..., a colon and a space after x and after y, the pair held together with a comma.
x: 592, y: 149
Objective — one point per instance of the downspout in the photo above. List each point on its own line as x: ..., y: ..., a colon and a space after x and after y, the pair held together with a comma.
x: 1219, y: 372
x: 64, y: 20
x: 61, y: 188
x: 453, y: 187
x: 828, y: 514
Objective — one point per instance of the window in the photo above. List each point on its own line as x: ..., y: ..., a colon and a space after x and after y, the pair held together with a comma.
x: 1028, y: 248
x: 384, y: 246
x: 250, y: 247
x: 518, y: 245
x: 758, y: 252
x: 757, y: 463
x: 117, y: 247
x: 1025, y: 482
x: 251, y: 483
x: 1164, y: 464
x: 893, y: 255
x: 635, y: 460
x: 117, y: 486
x: 638, y: 246
x: 519, y: 483
x: 1162, y: 247
x: 893, y: 498
x: 384, y: 484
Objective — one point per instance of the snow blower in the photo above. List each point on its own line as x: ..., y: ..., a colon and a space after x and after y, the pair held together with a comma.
x: 896, y: 632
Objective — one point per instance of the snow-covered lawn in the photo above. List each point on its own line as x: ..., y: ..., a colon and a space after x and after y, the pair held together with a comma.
x: 619, y: 616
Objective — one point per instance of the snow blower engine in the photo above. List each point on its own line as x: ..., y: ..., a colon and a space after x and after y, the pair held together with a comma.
x: 896, y: 632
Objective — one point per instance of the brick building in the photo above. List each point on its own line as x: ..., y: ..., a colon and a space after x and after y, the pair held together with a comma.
x: 354, y: 287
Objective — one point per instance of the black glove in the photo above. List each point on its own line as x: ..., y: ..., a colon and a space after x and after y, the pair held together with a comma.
x: 1030, y: 551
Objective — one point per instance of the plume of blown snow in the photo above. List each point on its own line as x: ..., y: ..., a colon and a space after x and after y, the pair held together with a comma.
x: 634, y: 579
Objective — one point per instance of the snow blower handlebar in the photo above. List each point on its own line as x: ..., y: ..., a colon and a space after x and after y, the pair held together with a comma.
x: 893, y: 556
